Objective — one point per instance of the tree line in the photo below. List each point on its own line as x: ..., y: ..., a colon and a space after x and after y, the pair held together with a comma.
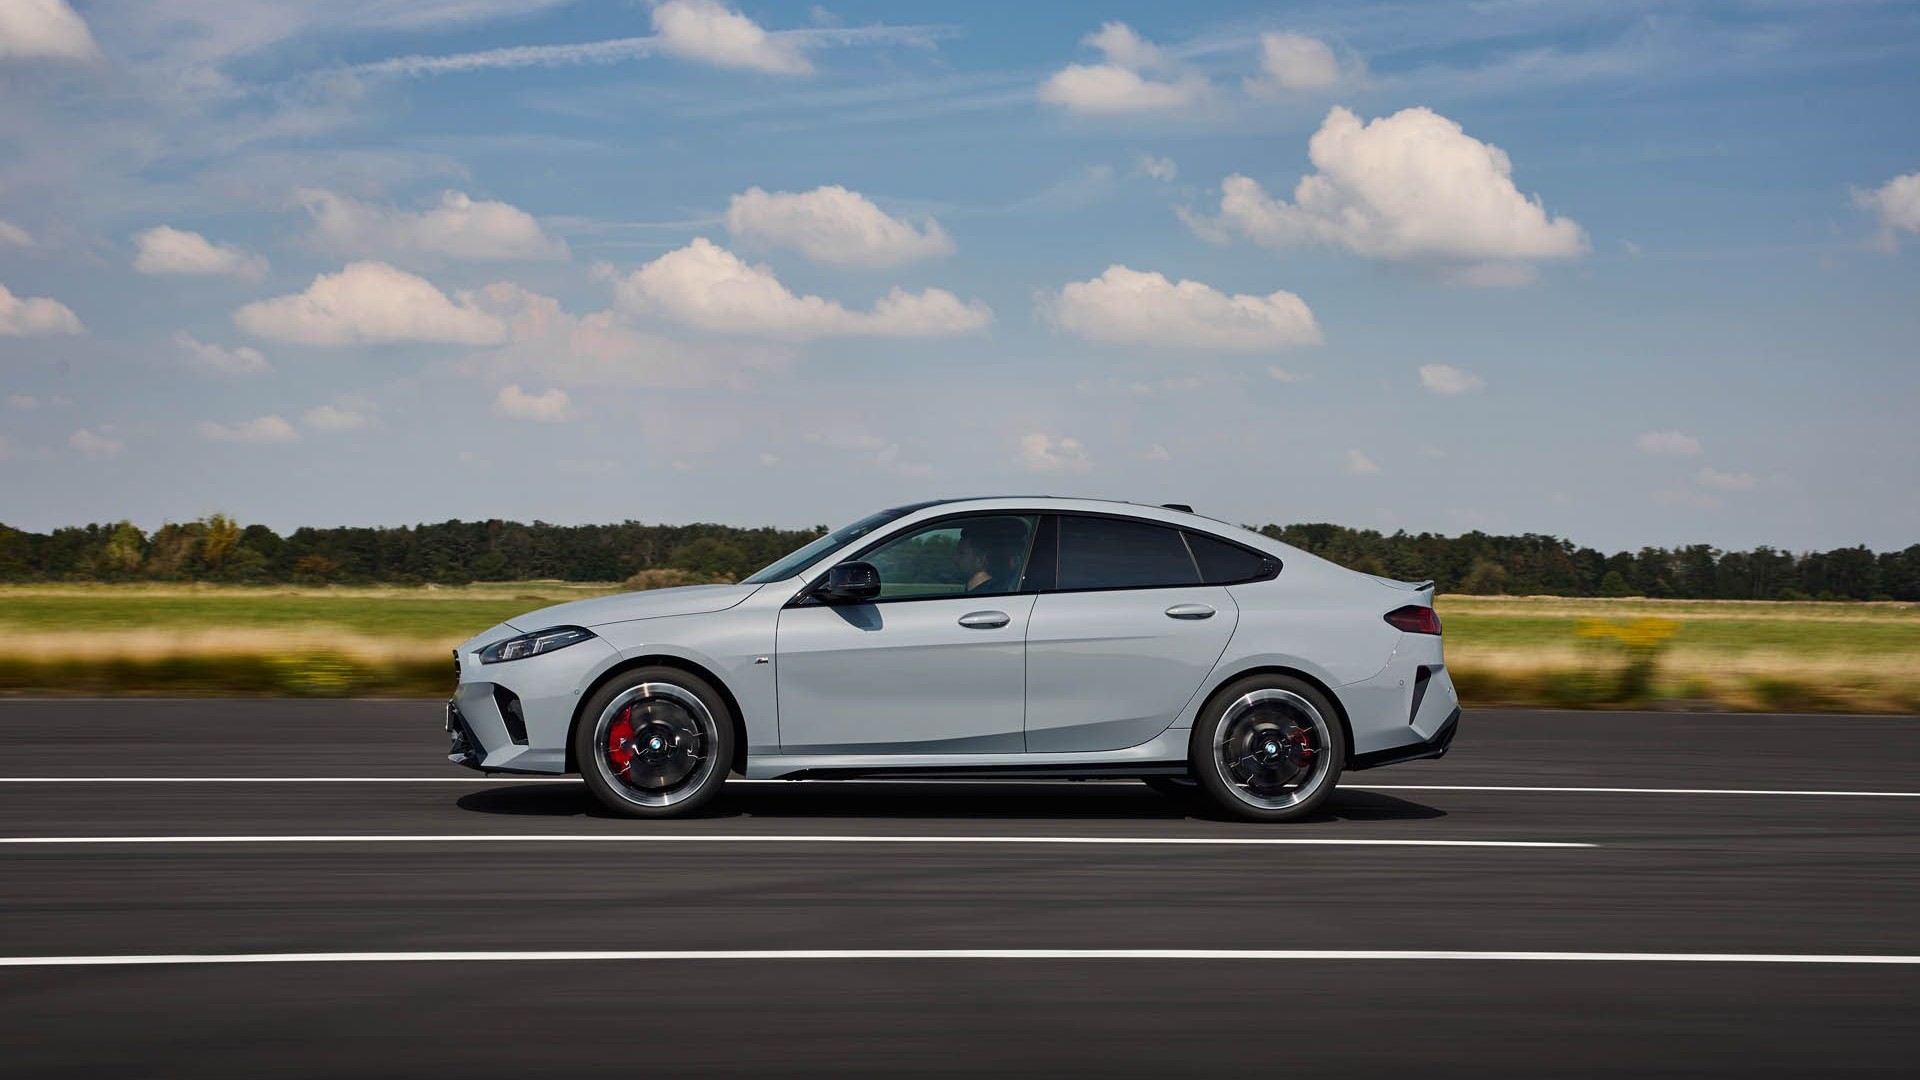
x: 220, y: 549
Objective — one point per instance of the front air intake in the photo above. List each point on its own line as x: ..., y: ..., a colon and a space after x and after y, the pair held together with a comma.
x: 510, y: 714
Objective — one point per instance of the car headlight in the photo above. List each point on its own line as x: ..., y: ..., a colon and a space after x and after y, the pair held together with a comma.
x: 534, y: 644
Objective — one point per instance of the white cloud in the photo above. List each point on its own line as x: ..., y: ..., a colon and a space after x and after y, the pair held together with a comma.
x: 93, y: 446
x: 22, y: 401
x: 620, y: 50
x: 1284, y: 377
x: 344, y: 417
x: 1447, y: 380
x: 710, y: 31
x: 600, y: 349
x: 266, y: 429
x: 1117, y: 86
x: 167, y: 250
x: 1162, y: 169
x: 1293, y: 63
x: 548, y: 406
x: 370, y: 303
x: 1040, y: 452
x: 1668, y: 442
x: 15, y: 236
x: 706, y: 286
x: 459, y: 227
x: 36, y: 316
x: 244, y: 360
x: 1896, y: 203
x: 1155, y: 452
x: 1711, y: 477
x: 1130, y: 306
x: 834, y: 226
x: 1124, y: 47
x: 1359, y: 464
x: 45, y: 28
x: 1408, y: 187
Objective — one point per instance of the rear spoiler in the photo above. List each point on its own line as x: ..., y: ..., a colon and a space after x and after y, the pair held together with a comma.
x: 1410, y: 586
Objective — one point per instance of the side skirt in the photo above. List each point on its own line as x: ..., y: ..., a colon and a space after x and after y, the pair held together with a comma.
x: 1102, y: 771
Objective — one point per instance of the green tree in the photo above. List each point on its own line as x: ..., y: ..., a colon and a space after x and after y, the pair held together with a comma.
x: 712, y: 557
x: 1487, y: 578
x: 219, y: 536
x: 124, y: 550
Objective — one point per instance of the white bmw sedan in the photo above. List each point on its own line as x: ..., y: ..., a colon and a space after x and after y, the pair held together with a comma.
x: 1012, y: 637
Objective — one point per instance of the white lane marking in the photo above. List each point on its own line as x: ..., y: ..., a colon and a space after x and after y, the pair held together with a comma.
x: 1631, y: 790
x: 954, y: 954
x: 296, y: 780
x: 907, y: 780
x: 776, y: 838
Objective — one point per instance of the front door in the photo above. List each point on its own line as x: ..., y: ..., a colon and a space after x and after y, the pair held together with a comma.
x: 935, y: 665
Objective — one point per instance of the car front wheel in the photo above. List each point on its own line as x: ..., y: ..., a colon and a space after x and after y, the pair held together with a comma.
x: 1268, y: 748
x: 654, y: 742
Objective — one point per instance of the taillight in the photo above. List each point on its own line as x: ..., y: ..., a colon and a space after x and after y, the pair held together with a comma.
x: 1415, y: 619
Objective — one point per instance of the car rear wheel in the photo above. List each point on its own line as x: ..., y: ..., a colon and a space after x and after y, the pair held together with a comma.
x: 1268, y: 748
x: 654, y: 742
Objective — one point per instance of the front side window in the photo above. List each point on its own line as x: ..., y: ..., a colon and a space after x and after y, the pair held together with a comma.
x: 1116, y: 553
x: 974, y: 556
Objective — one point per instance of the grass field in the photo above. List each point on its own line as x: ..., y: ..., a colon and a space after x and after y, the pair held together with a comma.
x: 97, y: 639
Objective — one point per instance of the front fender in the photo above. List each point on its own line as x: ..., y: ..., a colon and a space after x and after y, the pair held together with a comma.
x: 735, y: 646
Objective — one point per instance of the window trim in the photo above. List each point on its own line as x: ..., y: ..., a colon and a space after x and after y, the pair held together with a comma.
x: 1048, y: 526
x: 805, y: 598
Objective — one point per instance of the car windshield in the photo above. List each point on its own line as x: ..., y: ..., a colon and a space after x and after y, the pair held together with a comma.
x: 795, y: 562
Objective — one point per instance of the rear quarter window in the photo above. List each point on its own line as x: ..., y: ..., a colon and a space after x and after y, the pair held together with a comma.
x: 1222, y: 563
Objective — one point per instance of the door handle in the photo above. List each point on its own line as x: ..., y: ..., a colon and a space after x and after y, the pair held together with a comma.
x: 1190, y: 611
x: 984, y: 620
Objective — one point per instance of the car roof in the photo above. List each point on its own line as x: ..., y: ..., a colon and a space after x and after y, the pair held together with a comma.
x: 1155, y: 511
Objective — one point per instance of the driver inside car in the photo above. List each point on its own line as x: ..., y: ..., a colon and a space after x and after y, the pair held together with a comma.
x: 989, y: 552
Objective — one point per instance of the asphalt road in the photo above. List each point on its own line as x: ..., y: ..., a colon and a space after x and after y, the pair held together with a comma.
x: 515, y: 867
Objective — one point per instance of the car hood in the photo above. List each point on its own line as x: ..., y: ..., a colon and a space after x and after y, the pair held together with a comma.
x: 625, y: 607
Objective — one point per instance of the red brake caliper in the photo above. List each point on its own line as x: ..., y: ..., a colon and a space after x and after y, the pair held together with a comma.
x: 620, y: 741
x: 1299, y: 739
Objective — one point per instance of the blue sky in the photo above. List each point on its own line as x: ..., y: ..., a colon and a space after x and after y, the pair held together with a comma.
x: 1628, y: 272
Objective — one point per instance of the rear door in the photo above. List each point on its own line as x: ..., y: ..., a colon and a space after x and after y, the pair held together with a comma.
x: 1122, y: 643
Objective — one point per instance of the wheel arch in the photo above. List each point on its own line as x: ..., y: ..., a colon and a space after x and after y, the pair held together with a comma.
x: 739, y: 763
x: 1339, y: 707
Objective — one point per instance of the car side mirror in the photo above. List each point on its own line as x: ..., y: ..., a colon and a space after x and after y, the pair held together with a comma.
x: 848, y: 583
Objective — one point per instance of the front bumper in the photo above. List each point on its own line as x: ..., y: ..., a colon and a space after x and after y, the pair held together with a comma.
x: 465, y: 748
x: 515, y: 716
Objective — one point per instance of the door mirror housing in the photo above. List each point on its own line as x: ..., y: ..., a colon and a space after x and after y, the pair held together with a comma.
x: 848, y: 583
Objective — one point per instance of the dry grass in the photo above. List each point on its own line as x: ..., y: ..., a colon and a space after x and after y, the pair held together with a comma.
x: 203, y: 639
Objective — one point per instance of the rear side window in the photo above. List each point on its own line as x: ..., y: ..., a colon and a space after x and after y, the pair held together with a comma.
x: 1222, y: 563
x: 1114, y: 553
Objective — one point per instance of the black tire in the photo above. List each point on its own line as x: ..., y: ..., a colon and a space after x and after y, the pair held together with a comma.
x: 666, y: 733
x: 1173, y: 787
x: 1289, y: 715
